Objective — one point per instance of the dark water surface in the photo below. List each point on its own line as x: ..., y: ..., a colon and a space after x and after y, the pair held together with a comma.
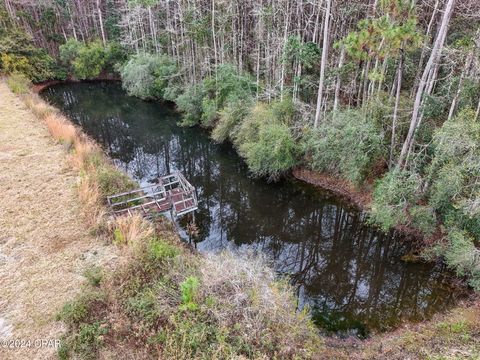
x: 349, y: 273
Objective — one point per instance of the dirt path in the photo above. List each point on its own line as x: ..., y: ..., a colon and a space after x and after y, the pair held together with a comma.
x: 44, y: 247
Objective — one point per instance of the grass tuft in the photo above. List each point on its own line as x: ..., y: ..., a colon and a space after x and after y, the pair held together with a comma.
x: 91, y: 200
x: 131, y: 230
x: 19, y: 83
x: 61, y: 129
x: 175, y: 304
x: 94, y: 275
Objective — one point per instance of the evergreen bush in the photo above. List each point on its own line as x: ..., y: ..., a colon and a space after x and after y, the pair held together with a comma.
x: 347, y: 145
x: 392, y: 196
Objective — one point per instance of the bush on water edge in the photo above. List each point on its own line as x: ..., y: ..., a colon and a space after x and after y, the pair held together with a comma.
x: 89, y: 60
x: 150, y: 76
x: 445, y: 192
x: 225, y: 104
x: 348, y: 144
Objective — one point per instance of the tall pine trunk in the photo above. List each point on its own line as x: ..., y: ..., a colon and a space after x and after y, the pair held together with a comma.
x: 432, y: 61
x: 323, y: 65
x: 395, y: 111
x: 100, y: 21
x: 339, y: 79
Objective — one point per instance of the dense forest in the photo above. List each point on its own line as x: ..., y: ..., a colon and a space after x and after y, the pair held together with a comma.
x: 384, y: 94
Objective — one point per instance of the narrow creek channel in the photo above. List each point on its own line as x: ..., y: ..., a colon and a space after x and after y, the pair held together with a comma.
x: 350, y: 274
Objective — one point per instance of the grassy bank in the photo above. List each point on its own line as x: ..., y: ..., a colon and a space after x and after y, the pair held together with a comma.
x: 167, y: 302
x: 98, y: 176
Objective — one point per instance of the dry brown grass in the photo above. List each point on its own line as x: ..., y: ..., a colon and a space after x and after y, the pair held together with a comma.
x: 131, y: 230
x: 248, y: 296
x: 44, y: 244
x: 81, y: 158
x: 60, y: 129
x: 39, y: 107
x: 91, y: 200
x: 85, y: 156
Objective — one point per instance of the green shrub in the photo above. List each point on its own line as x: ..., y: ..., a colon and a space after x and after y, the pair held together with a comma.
x: 69, y: 51
x: 392, y: 196
x: 75, y: 312
x: 112, y: 181
x: 347, y: 145
x: 85, y: 343
x: 118, y: 237
x: 148, y: 76
x: 453, y: 176
x: 20, y: 54
x: 18, y: 83
x: 229, y: 84
x: 447, y: 185
x: 284, y: 110
x: 462, y: 256
x: 94, y: 275
x: 455, y: 169
x: 273, y: 153
x: 60, y: 72
x: 230, y: 118
x: 39, y: 67
x: 190, y: 104
x: 90, y: 61
x: 12, y: 63
x: 189, y: 290
x: 91, y: 334
x: 209, y: 112
x: 203, y: 102
x: 456, y: 138
x: 160, y: 249
x: 250, y: 126
x: 115, y: 57
x: 423, y: 219
x: 263, y: 138
x: 143, y: 306
x: 192, y: 336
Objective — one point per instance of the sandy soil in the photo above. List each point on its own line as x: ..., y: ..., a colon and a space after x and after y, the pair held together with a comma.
x: 342, y: 188
x: 44, y: 247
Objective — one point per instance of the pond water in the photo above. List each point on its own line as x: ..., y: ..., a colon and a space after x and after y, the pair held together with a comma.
x: 349, y: 274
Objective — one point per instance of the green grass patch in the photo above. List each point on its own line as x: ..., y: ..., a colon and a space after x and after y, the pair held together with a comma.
x: 85, y: 343
x: 94, y: 275
x: 19, y: 83
x: 75, y: 312
x: 113, y: 181
x: 160, y: 249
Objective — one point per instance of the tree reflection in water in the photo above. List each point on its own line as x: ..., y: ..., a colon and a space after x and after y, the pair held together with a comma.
x: 348, y: 273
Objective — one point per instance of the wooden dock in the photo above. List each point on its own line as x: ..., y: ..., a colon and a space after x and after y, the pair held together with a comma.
x: 171, y: 193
